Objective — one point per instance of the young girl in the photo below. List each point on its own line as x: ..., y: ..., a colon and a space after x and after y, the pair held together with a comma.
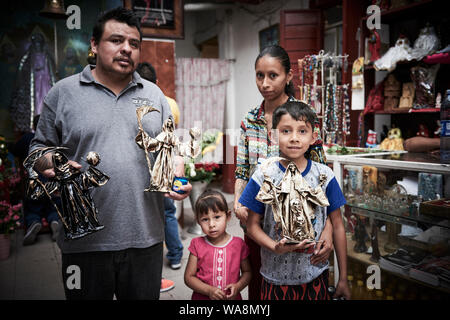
x: 217, y: 259
x: 274, y: 81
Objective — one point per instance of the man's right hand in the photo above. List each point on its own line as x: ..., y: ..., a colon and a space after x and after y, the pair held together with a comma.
x: 45, y: 165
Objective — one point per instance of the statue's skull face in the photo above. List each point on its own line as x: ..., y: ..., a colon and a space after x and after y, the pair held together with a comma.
x: 395, y: 133
x: 93, y: 158
x: 59, y: 159
x: 169, y: 124
x: 402, y: 42
x: 295, y: 205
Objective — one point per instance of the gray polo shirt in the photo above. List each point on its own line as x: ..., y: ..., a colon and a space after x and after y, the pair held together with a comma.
x: 83, y: 115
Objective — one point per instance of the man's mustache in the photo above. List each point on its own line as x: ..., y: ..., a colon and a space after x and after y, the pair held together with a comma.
x: 124, y: 59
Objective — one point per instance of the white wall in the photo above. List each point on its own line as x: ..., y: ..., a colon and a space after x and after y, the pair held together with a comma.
x: 238, y: 32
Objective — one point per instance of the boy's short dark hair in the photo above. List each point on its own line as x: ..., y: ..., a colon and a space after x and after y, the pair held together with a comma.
x: 146, y: 71
x: 119, y: 14
x: 210, y: 199
x: 297, y: 110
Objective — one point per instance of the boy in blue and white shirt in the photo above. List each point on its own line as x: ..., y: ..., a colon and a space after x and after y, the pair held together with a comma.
x: 286, y: 268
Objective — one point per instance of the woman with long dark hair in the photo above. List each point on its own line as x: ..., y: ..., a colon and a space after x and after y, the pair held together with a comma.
x: 274, y: 81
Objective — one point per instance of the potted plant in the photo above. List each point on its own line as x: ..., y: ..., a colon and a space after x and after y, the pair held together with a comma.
x: 10, y: 214
x: 200, y: 174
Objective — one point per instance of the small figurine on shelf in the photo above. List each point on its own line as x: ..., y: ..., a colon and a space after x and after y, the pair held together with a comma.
x: 392, y: 92
x: 370, y: 175
x: 394, y: 141
x: 407, y: 98
x: 374, y: 243
x: 360, y: 236
x: 374, y: 45
x: 437, y: 132
x: 400, y: 52
x: 381, y: 184
x: 423, y: 131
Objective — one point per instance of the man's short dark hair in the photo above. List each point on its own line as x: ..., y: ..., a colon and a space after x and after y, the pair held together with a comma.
x: 146, y: 71
x: 119, y: 14
x: 296, y: 109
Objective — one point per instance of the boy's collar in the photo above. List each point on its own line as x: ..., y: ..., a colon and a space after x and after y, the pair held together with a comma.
x: 304, y: 173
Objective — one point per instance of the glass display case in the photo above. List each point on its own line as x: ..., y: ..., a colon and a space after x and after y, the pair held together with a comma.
x: 397, y: 219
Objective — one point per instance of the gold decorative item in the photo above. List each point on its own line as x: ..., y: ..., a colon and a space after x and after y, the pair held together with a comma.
x: 370, y: 175
x: 407, y: 98
x: 293, y: 201
x: 168, y: 146
x: 392, y: 93
x: 394, y: 140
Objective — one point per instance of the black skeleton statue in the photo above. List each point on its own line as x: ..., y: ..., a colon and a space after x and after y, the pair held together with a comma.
x: 79, y: 213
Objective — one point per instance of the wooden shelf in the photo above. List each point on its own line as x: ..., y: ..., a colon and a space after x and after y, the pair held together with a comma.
x: 405, y: 110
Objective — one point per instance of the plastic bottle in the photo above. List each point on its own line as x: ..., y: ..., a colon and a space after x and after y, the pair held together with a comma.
x: 445, y: 132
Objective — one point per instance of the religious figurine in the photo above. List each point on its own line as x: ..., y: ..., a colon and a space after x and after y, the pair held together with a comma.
x: 406, y: 100
x: 381, y: 183
x: 392, y: 92
x: 370, y: 175
x: 437, y: 132
x: 168, y: 146
x: 394, y: 141
x: 426, y: 43
x: 374, y: 46
x: 360, y: 236
x: 400, y: 52
x: 374, y: 243
x: 293, y: 202
x: 79, y: 214
x: 35, y: 77
x: 423, y: 131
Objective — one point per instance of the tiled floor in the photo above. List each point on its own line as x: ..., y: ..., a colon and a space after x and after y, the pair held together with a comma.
x: 34, y: 272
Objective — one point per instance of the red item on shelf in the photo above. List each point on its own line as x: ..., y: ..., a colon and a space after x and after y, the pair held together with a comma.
x: 438, y: 58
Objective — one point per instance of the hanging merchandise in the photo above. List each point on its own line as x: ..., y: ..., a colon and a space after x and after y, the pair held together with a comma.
x: 319, y: 88
x: 358, y: 84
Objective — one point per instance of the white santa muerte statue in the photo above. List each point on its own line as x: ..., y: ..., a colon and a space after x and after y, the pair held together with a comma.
x: 168, y: 145
x: 293, y: 201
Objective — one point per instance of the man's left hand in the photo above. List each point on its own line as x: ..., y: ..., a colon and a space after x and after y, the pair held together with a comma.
x: 178, y: 196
